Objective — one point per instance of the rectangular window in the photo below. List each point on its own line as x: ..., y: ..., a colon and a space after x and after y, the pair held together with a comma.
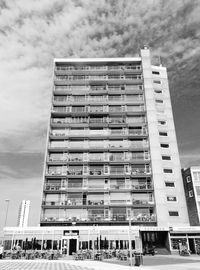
x: 161, y: 133
x: 196, y: 176
x: 188, y: 179
x: 164, y: 145
x: 157, y: 81
x: 155, y: 72
x: 169, y: 184
x: 166, y: 158
x: 191, y: 193
x: 171, y: 199
x: 162, y: 122
x: 167, y: 170
x: 158, y: 91
x: 173, y: 213
x: 159, y: 101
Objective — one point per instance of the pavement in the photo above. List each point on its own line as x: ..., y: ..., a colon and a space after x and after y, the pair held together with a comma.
x: 161, y: 262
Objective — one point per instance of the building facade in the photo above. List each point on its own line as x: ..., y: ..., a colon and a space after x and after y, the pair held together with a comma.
x: 112, y: 153
x: 23, y: 214
x: 112, y: 171
x: 191, y: 180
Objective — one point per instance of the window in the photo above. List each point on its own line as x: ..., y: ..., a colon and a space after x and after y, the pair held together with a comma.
x: 162, y: 122
x: 166, y: 158
x: 159, y: 101
x: 169, y: 184
x: 173, y: 213
x: 196, y: 176
x: 158, y: 91
x: 171, y: 199
x: 167, y: 170
x: 157, y: 81
x: 161, y: 133
x: 155, y: 72
x: 164, y: 145
x: 188, y: 179
x: 190, y: 193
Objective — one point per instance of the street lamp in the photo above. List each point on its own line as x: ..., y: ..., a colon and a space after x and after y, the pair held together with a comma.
x: 7, y: 207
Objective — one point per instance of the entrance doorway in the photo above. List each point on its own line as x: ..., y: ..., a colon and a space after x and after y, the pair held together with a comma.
x: 72, y: 246
x: 192, y: 245
x: 69, y: 244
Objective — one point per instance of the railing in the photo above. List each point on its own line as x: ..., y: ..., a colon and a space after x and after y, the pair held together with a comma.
x: 56, y: 173
x: 99, y: 99
x: 119, y: 217
x: 136, y: 171
x: 124, y: 202
x: 75, y: 172
x: 97, y: 77
x: 144, y: 218
x: 116, y: 171
x: 117, y: 158
x: 141, y: 187
x: 95, y: 202
x: 96, y: 172
x: 142, y: 202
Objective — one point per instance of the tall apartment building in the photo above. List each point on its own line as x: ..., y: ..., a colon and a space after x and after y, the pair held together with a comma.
x: 112, y: 152
x: 23, y: 214
x: 191, y: 180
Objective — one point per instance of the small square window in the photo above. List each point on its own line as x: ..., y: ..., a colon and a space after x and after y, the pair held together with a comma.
x: 191, y: 194
x: 171, y: 199
x: 162, y: 122
x: 188, y: 179
x: 155, y: 72
x: 164, y: 145
x: 159, y: 101
x: 167, y: 170
x: 166, y: 158
x: 158, y: 91
x: 169, y: 184
x: 173, y: 213
x: 161, y: 133
x: 156, y: 81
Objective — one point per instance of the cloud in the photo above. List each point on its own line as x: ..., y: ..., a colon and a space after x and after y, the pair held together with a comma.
x: 34, y: 32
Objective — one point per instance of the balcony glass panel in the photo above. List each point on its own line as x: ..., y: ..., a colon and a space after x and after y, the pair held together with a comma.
x: 56, y: 170
x: 61, y: 109
x: 97, y: 132
x: 96, y: 170
x: 56, y: 157
x: 135, y: 119
x: 117, y: 131
x: 98, y: 87
x: 115, y: 109
x: 57, y: 144
x: 140, y: 169
x: 134, y: 87
x: 137, y: 143
x: 95, y: 184
x: 142, y: 198
x: 78, y: 131
x: 116, y: 98
x: 115, y: 87
x: 117, y: 120
x: 78, y: 98
x: 60, y: 98
x: 96, y: 120
x: 95, y: 109
x: 116, y: 144
x: 75, y: 157
x: 96, y: 157
x: 143, y: 215
x: 97, y: 98
x: 75, y: 170
x: 137, y: 131
x: 134, y: 97
x: 117, y: 184
x: 59, y: 132
x: 75, y: 183
x: 79, y: 109
x: 97, y: 144
x: 116, y: 157
x: 79, y: 120
x: 58, y: 120
x: 134, y: 108
x: 133, y: 77
x: 98, y: 77
x: 115, y: 170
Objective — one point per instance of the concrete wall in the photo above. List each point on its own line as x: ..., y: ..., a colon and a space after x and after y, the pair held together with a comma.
x: 155, y: 112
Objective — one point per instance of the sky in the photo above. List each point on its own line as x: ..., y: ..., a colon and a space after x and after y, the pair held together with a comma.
x: 32, y: 33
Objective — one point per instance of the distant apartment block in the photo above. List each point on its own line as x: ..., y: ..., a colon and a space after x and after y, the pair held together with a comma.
x: 23, y: 214
x: 191, y: 180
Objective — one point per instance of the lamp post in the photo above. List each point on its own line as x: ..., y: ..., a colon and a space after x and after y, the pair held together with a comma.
x: 7, y: 207
x: 130, y: 244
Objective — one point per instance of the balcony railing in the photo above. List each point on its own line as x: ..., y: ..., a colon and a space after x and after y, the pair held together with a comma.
x: 116, y: 171
x: 97, y: 77
x: 142, y: 187
x: 144, y: 218
x: 142, y: 202
x: 120, y: 202
x: 75, y: 172
x: 96, y: 172
x: 95, y: 202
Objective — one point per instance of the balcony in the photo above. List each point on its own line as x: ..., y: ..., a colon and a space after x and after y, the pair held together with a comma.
x: 142, y: 187
x: 142, y: 202
x: 95, y: 202
x: 120, y: 202
x: 117, y: 171
x: 74, y: 172
x: 96, y: 172
x: 52, y: 187
x: 138, y: 171
x: 119, y: 217
x: 144, y: 218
